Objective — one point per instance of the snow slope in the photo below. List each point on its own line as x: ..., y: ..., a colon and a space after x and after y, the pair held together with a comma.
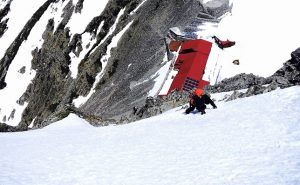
x: 248, y: 141
x: 265, y: 33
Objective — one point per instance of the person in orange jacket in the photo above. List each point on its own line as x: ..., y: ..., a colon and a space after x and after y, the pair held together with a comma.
x: 199, y: 100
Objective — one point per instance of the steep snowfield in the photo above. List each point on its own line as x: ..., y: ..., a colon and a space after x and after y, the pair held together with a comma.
x: 253, y: 141
x: 265, y: 33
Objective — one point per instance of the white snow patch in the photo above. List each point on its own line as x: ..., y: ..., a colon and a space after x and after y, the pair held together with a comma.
x: 32, y: 122
x: 82, y: 99
x: 71, y: 122
x: 265, y: 39
x: 167, y: 75
x: 91, y: 8
x: 176, y: 30
x: 57, y: 12
x: 3, y: 3
x: 207, y: 30
x: 205, y: 1
x: 159, y: 77
x: 238, y: 143
x: 138, y: 7
x: 213, y: 65
x: 88, y: 41
x: 170, y: 78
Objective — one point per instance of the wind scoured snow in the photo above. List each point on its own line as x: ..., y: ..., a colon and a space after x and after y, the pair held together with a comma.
x: 82, y: 99
x: 238, y: 143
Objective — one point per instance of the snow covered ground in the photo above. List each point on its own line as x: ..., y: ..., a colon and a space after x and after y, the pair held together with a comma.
x: 265, y: 33
x: 248, y: 141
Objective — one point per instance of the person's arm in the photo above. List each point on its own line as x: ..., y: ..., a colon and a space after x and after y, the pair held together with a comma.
x: 213, y: 104
x: 208, y: 100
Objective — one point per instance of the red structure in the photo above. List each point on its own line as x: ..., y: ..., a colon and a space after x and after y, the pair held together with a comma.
x: 191, y: 64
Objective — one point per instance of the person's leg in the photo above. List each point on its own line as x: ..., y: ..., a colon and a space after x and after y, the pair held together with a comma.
x: 190, y: 109
x: 201, y: 108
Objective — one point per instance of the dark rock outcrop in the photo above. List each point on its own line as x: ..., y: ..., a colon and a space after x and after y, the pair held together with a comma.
x: 6, y: 128
x: 3, y: 23
x: 155, y: 106
x: 238, y: 82
x: 14, y: 47
x: 289, y: 74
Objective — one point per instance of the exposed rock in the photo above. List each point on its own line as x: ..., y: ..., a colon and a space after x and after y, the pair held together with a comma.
x: 22, y: 70
x: 289, y: 74
x: 3, y: 23
x: 14, y: 47
x: 238, y: 82
x: 6, y: 128
x: 12, y: 114
x: 79, y: 6
x: 64, y: 112
x: 234, y: 95
x: 217, y: 8
x: 50, y: 87
x: 155, y: 106
x: 4, y: 119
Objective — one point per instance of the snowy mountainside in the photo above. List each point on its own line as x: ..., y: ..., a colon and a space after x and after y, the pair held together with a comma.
x: 100, y: 59
x: 85, y: 52
x: 249, y: 141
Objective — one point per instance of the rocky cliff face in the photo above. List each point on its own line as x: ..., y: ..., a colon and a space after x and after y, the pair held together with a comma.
x: 126, y: 75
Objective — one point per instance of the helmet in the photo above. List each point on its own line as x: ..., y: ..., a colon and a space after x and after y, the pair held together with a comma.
x: 199, y: 92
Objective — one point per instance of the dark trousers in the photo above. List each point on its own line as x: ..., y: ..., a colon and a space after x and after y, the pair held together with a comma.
x: 200, y: 108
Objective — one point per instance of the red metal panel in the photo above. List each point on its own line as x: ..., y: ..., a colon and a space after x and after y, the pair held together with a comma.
x: 200, y: 45
x: 198, y: 66
x: 183, y: 58
x: 202, y: 84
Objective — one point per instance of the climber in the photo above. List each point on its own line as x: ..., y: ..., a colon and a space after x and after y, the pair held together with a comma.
x: 223, y: 44
x: 198, y: 100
